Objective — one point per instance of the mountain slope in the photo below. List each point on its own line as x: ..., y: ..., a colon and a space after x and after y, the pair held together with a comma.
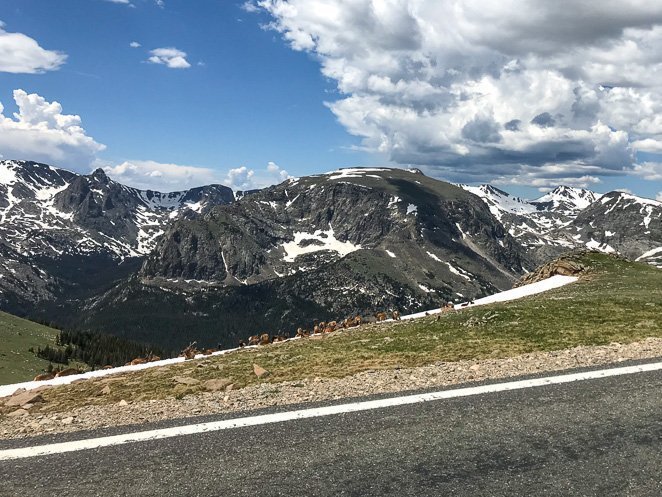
x: 58, y: 228
x: 327, y: 246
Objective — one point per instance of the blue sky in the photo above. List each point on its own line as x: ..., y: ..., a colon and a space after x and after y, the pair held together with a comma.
x: 331, y: 83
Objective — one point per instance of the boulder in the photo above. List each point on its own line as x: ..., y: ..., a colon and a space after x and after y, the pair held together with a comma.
x: 216, y: 384
x: 185, y: 380
x: 29, y: 397
x: 259, y: 371
x: 18, y: 413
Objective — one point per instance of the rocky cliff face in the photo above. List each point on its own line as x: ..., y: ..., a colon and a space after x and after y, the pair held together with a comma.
x: 423, y: 225
x: 62, y: 231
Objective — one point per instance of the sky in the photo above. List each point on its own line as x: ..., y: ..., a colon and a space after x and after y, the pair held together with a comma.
x: 170, y: 94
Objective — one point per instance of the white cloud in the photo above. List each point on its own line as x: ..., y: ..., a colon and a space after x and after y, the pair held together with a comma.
x: 659, y: 197
x: 473, y: 88
x: 125, y: 2
x: 650, y: 171
x: 240, y: 178
x: 170, y: 57
x: 160, y: 3
x: 164, y: 177
x: 21, y: 54
x: 40, y: 131
x: 243, y: 178
x: 135, y: 44
x: 151, y: 175
x: 249, y: 6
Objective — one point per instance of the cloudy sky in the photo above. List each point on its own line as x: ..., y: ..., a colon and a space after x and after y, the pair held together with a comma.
x: 524, y: 94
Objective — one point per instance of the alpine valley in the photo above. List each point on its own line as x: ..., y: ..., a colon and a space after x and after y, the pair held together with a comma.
x: 213, y: 265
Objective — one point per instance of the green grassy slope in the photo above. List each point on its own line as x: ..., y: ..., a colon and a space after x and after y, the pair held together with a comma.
x: 17, y: 335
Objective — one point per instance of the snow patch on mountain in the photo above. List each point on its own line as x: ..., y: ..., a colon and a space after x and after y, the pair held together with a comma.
x: 307, y: 243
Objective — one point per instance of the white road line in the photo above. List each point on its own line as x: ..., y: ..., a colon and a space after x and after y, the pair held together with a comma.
x: 95, y: 443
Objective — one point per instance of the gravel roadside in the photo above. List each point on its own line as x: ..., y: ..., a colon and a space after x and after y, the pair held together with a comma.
x: 29, y: 422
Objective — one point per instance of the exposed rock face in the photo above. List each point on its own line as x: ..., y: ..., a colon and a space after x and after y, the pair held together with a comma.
x: 62, y: 234
x: 300, y: 225
x: 568, y: 265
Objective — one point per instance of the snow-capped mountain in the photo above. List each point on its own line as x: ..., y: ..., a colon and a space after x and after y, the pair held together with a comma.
x: 50, y: 211
x: 349, y: 242
x: 568, y: 218
x: 50, y: 215
x: 566, y: 199
x: 623, y: 223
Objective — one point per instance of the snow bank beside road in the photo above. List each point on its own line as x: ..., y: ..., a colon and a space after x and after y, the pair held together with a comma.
x: 514, y: 294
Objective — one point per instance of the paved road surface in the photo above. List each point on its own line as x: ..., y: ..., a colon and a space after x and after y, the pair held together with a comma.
x: 598, y: 437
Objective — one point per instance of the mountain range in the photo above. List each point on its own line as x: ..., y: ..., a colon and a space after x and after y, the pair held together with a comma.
x: 214, y: 265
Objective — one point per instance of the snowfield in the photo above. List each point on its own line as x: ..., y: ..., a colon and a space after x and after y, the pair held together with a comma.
x: 514, y: 294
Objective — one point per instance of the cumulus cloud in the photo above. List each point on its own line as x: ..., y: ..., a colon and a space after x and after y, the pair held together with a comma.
x: 164, y: 177
x: 243, y: 178
x: 40, y: 131
x: 650, y: 171
x: 486, y: 90
x: 249, y: 6
x: 135, y: 44
x: 170, y: 57
x: 240, y: 178
x: 21, y: 54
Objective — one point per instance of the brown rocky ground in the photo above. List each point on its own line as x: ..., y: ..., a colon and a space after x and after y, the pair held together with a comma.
x: 27, y: 417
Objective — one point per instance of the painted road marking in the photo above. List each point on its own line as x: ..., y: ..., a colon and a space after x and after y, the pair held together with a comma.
x: 178, y: 431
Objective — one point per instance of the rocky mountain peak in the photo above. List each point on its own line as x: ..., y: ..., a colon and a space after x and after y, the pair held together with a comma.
x: 567, y: 198
x: 100, y: 176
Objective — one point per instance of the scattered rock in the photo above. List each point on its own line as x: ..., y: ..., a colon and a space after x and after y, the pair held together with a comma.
x: 30, y: 397
x: 122, y: 403
x: 105, y: 390
x: 185, y: 380
x: 68, y: 420
x: 259, y: 371
x: 217, y: 384
x: 17, y: 413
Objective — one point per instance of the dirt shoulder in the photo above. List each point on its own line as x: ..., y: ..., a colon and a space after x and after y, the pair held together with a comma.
x: 38, y: 420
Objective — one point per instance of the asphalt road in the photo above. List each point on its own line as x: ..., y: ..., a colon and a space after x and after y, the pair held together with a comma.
x: 598, y: 437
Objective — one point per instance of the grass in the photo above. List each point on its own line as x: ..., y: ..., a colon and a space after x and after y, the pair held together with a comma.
x: 614, y: 301
x: 17, y: 335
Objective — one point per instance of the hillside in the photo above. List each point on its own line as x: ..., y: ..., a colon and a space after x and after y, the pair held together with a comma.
x: 614, y: 301
x: 355, y: 241
x: 17, y: 336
